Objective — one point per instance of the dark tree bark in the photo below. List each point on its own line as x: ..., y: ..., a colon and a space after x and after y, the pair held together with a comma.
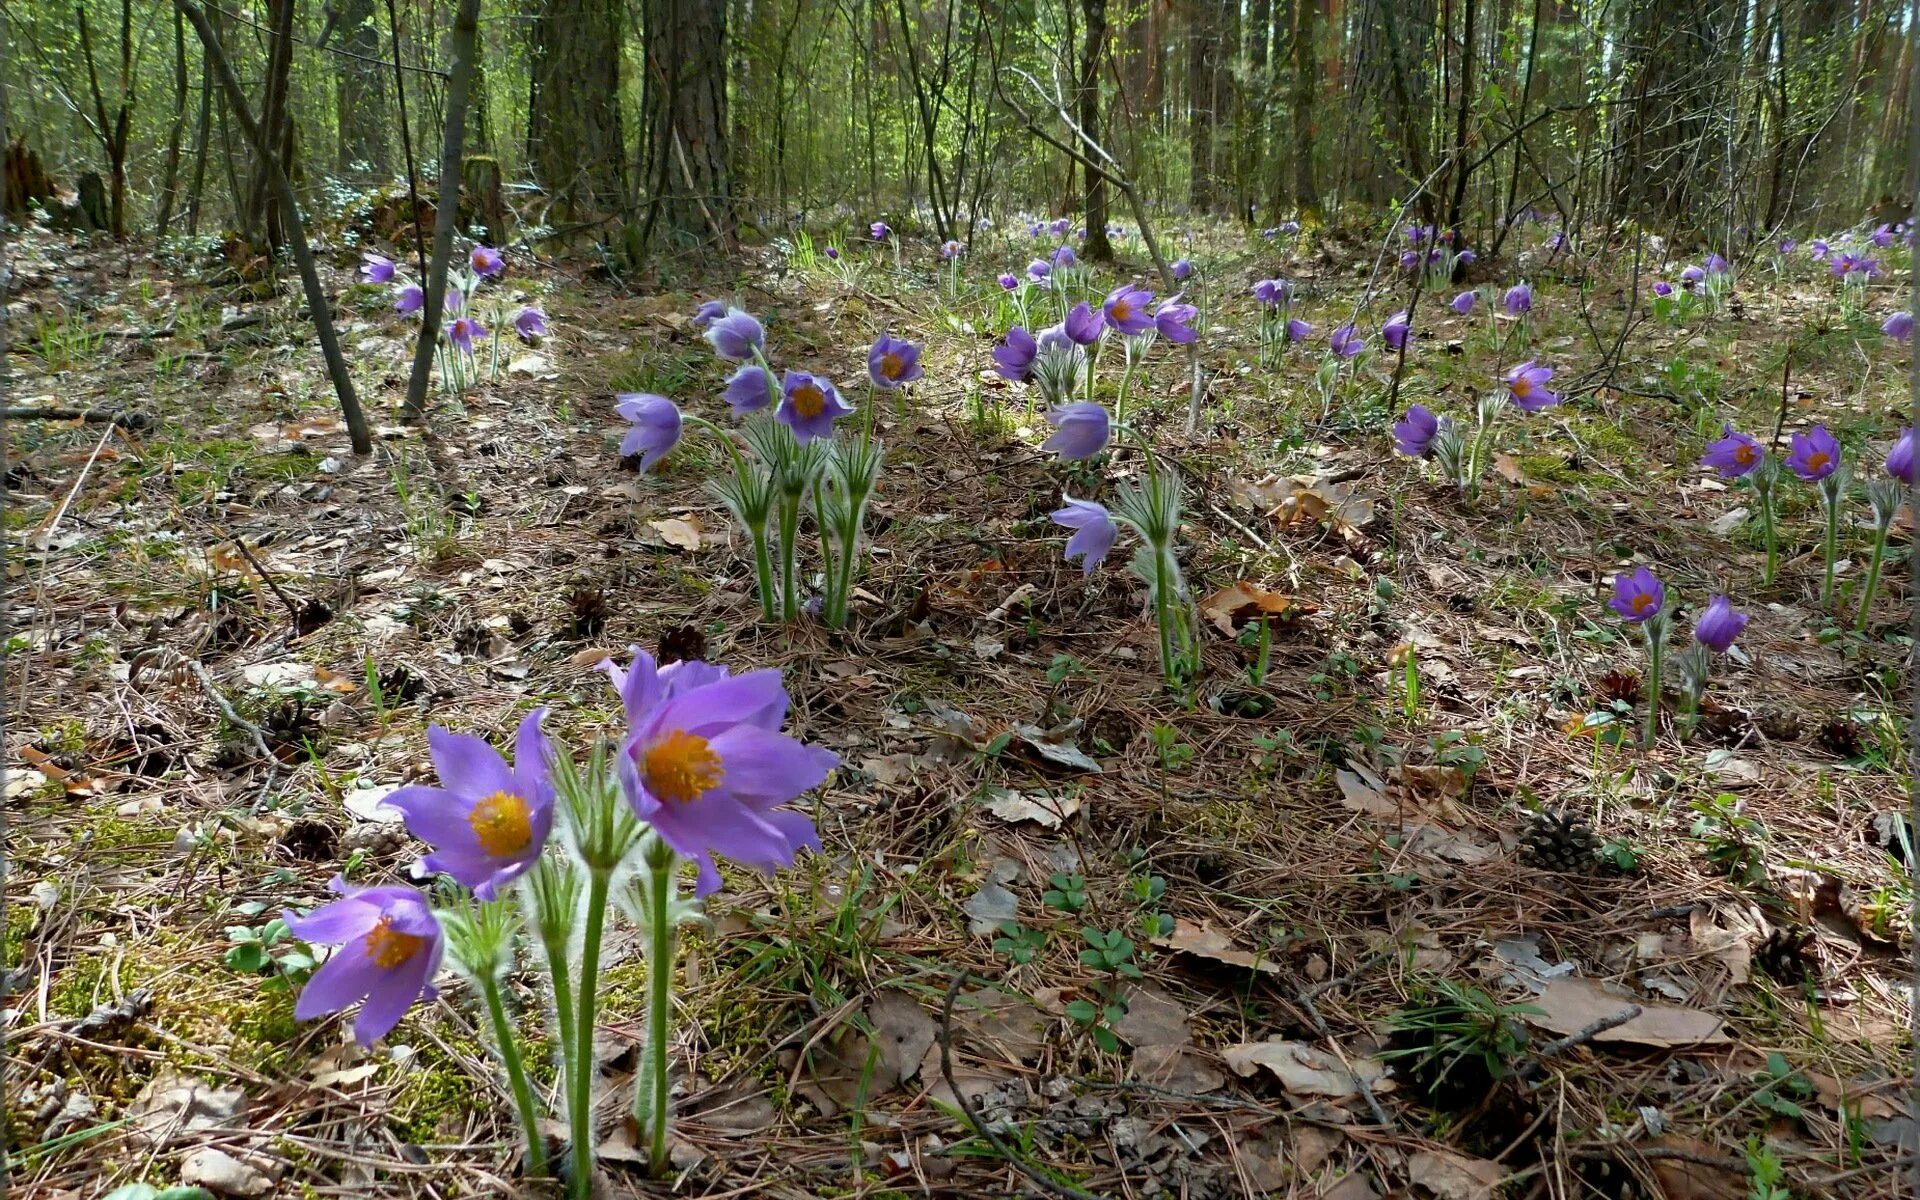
x: 170, y: 174
x: 466, y: 28
x: 361, y: 89
x: 1201, y: 49
x: 262, y: 215
x: 112, y: 131
x: 1099, y: 248
x: 573, y: 130
x: 689, y: 187
x: 1306, y: 131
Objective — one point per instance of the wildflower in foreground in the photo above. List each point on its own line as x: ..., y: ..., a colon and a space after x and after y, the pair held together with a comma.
x: 1394, y: 332
x: 1081, y: 430
x: 1900, y: 458
x: 656, y: 426
x: 1719, y: 625
x: 464, y: 332
x: 1638, y: 597
x: 707, y: 767
x: 1464, y: 302
x: 1174, y: 321
x: 892, y: 361
x: 736, y: 335
x: 1083, y: 325
x: 486, y: 261
x: 748, y: 389
x: 1519, y: 298
x: 530, y: 323
x: 1013, y: 358
x: 1094, y: 532
x: 1413, y: 434
x: 487, y: 821
x: 1815, y: 456
x: 1126, y: 309
x: 376, y: 268
x: 809, y: 405
x: 1527, y: 387
x: 409, y: 298
x: 1732, y: 454
x: 389, y: 949
x: 1899, y: 326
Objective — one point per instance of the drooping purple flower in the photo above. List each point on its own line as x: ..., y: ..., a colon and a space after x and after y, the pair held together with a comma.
x: 1180, y: 270
x: 1081, y: 430
x: 389, y: 949
x: 487, y: 821
x: 1788, y: 245
x: 1126, y: 309
x: 1174, y: 320
x: 879, y: 231
x: 1273, y: 292
x: 892, y: 361
x: 1009, y: 280
x: 1064, y: 257
x: 1298, y: 330
x: 1464, y: 302
x: 1719, y: 625
x: 735, y: 335
x: 1083, y: 325
x: 453, y: 301
x: 833, y: 253
x: 464, y: 332
x: 656, y: 426
x: 376, y: 268
x: 409, y: 298
x: 1013, y: 358
x: 1409, y: 260
x: 1036, y: 229
x: 1716, y: 265
x: 809, y: 405
x: 1419, y: 233
x: 1039, y: 269
x: 1094, y: 532
x: 1900, y: 458
x: 1466, y: 258
x: 1883, y: 236
x: 1638, y: 597
x: 1346, y: 341
x: 1662, y: 288
x: 1527, y: 387
x: 1818, y: 249
x: 707, y: 768
x: 1394, y: 332
x: 950, y: 250
x: 1733, y: 454
x: 1899, y: 326
x: 1692, y: 277
x: 1816, y: 454
x: 1060, y: 226
x: 530, y: 323
x: 1413, y: 434
x: 748, y: 389
x: 1519, y: 298
x: 709, y: 312
x: 486, y: 261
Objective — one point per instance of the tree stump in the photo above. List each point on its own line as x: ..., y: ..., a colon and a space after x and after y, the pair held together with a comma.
x: 91, y: 212
x: 27, y: 182
x: 480, y: 180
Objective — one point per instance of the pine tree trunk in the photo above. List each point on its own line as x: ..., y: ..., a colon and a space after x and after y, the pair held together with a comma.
x: 573, y: 131
x: 690, y: 192
x: 361, y: 88
x: 1305, y: 129
x: 1200, y: 85
x: 1095, y: 37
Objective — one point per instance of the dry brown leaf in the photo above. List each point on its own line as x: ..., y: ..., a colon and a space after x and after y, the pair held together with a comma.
x: 1681, y: 1179
x: 1506, y: 468
x: 1153, y: 1018
x: 1452, y: 1176
x: 1181, y: 1068
x: 674, y: 531
x: 1570, y: 1005
x: 1363, y: 791
x: 1305, y: 1071
x: 1204, y: 941
x: 1235, y: 605
x: 905, y: 1031
x: 593, y: 656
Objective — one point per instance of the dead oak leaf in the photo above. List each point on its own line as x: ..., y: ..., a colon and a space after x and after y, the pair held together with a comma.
x: 1568, y: 1006
x: 1306, y: 1071
x: 1452, y: 1176
x: 676, y: 532
x: 1204, y: 941
x: 1240, y: 602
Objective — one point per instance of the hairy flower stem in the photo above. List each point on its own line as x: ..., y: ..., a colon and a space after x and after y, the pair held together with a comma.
x: 1163, y: 616
x: 653, y: 1057
x: 1833, y: 540
x: 829, y: 587
x: 1120, y: 400
x: 790, y: 556
x: 580, y: 1103
x: 1873, y: 579
x: 763, y: 572
x: 509, y: 1048
x: 1656, y: 656
x: 1771, y: 534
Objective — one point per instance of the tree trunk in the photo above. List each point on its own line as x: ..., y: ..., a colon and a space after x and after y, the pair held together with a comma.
x: 170, y: 174
x: 689, y: 188
x: 276, y: 126
x: 573, y: 131
x: 1095, y: 37
x: 361, y: 88
x: 466, y: 27
x: 1305, y: 130
x: 1201, y: 48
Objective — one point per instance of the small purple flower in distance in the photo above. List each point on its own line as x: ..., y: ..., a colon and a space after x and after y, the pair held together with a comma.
x: 1083, y: 325
x: 1094, y: 532
x: 1638, y: 597
x: 1035, y: 229
x: 376, y: 268
x: 1081, y: 430
x: 1126, y: 309
x: 1298, y: 330
x: 735, y: 335
x: 833, y: 253
x: 1413, y: 434
x: 1733, y: 454
x: 1272, y: 292
x: 487, y: 821
x: 389, y: 949
x: 464, y: 332
x: 1900, y: 458
x: 1557, y: 242
x: 1181, y: 269
x: 486, y: 261
x: 1009, y: 280
x: 1060, y: 226
x: 1843, y: 264
x: 1527, y: 387
x: 1716, y: 265
x: 1883, y: 236
x: 1816, y: 454
x: 1270, y: 234
x: 1464, y: 302
x: 1394, y: 332
x: 1039, y: 269
x: 1788, y: 245
x: 1064, y: 257
x: 1899, y: 326
x: 1692, y: 277
x: 950, y: 250
x: 409, y: 298
x: 1662, y: 288
x: 530, y: 323
x: 656, y: 426
x: 748, y: 389
x: 1409, y: 260
x: 1519, y: 298
x: 879, y: 231
x: 1466, y: 258
x: 1346, y: 341
x: 452, y: 302
x: 709, y: 312
x: 809, y: 405
x: 892, y: 361
x: 1719, y: 625
x: 707, y: 767
x: 1818, y: 249
x: 1013, y: 358
x: 1174, y: 320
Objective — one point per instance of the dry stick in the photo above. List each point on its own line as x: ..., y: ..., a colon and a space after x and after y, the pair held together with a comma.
x: 1320, y: 1026
x: 980, y: 1127
x: 92, y: 416
x: 466, y: 27
x: 246, y: 552
x: 357, y: 430
x: 1580, y: 1037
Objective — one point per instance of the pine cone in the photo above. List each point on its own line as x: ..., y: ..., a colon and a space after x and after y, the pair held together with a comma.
x: 1554, y: 841
x: 1728, y: 726
x: 1778, y: 725
x: 685, y: 644
x: 588, y: 610
x: 1843, y: 737
x: 1617, y: 687
x: 376, y: 840
x: 1789, y: 955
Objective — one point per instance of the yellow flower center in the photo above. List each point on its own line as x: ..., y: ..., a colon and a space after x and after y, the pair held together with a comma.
x: 389, y: 948
x: 891, y: 365
x: 1523, y: 387
x: 1122, y: 310
x: 681, y: 767
x: 1817, y: 459
x: 502, y: 824
x: 1744, y: 454
x: 809, y: 401
x: 1642, y: 602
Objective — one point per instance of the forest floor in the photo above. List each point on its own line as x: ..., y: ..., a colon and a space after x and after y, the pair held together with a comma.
x: 1352, y: 981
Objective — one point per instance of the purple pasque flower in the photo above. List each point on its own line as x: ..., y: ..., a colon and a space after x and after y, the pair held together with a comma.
x: 1064, y: 257
x: 464, y: 332
x: 1181, y: 270
x: 1346, y: 341
x: 389, y: 950
x: 1638, y: 597
x: 1519, y: 298
x: 1693, y: 277
x: 879, y: 231
x: 1733, y: 454
x: 1036, y: 229
x: 376, y: 268
x: 409, y: 298
x: 453, y: 301
x: 748, y: 389
x: 1409, y: 260
x: 1816, y: 454
x: 1788, y: 245
x: 706, y: 766
x: 1818, y: 249
x: 1662, y: 288
x: 1464, y: 302
x: 1899, y: 326
x: 1883, y: 236
x: 1273, y: 292
x: 1466, y: 258
x: 1083, y: 325
x: 1009, y: 280
x: 709, y: 312
x: 892, y: 361
x: 1174, y: 321
x: 1013, y: 358
x: 1298, y: 330
x: 486, y: 261
x: 736, y: 335
x: 833, y: 253
x: 1059, y: 226
x: 1081, y: 429
x: 1717, y: 265
x: 1900, y: 458
x: 809, y: 405
x: 1395, y: 331
x: 1039, y: 269
x: 488, y: 821
x: 1126, y: 309
x: 1719, y: 625
x: 1527, y: 387
x: 1413, y: 434
x: 950, y: 250
x: 656, y: 426
x: 530, y: 323
x: 1094, y: 532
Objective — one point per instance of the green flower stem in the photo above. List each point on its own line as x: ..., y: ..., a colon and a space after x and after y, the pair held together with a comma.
x: 763, y: 571
x: 1873, y: 579
x: 580, y: 1104
x: 1656, y: 656
x: 1163, y: 615
x: 509, y: 1048
x: 828, y: 570
x: 562, y: 1011
x: 1120, y: 401
x: 653, y: 1058
x: 1771, y: 533
x: 789, y: 556
x: 1833, y: 539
